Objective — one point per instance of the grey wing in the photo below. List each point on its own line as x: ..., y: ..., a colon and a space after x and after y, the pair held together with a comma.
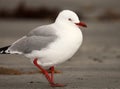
x: 42, y: 31
x: 35, y: 40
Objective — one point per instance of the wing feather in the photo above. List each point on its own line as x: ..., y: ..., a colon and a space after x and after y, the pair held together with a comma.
x: 35, y: 40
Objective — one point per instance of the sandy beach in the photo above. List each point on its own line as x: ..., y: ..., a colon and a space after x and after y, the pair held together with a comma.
x: 95, y: 66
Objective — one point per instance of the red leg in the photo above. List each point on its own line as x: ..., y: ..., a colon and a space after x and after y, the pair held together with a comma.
x: 52, y: 73
x: 49, y: 78
x: 43, y: 70
x: 52, y: 78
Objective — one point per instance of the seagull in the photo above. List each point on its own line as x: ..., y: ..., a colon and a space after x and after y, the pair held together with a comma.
x: 50, y: 45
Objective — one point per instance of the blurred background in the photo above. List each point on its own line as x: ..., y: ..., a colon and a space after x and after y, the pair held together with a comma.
x: 96, y: 65
x: 101, y: 46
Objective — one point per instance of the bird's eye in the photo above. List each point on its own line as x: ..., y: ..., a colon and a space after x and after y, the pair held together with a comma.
x: 70, y: 19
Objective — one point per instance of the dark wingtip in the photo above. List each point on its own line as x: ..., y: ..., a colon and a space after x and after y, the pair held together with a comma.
x: 3, y: 49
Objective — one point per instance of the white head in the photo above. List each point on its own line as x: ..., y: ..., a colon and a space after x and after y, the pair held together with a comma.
x: 69, y: 16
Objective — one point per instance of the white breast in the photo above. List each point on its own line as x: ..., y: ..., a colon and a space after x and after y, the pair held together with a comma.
x: 68, y: 42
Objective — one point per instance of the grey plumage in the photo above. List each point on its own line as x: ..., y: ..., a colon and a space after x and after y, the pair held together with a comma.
x: 45, y: 30
x: 35, y: 40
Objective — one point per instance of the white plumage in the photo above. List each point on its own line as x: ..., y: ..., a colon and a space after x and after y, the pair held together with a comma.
x: 50, y: 45
x: 68, y: 38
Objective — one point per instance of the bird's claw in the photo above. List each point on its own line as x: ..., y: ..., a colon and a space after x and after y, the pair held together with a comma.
x: 57, y: 85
